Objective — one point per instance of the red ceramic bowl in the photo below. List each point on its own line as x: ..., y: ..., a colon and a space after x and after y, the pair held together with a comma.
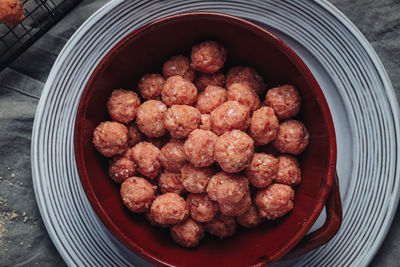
x: 144, y: 51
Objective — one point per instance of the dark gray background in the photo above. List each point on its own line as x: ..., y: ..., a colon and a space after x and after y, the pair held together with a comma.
x: 23, y: 238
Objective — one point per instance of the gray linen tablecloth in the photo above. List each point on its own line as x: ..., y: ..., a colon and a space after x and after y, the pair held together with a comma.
x: 23, y: 237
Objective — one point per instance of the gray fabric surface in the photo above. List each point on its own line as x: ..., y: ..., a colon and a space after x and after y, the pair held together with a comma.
x: 23, y: 237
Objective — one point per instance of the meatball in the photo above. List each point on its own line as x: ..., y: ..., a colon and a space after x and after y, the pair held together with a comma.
x: 11, y: 12
x: 236, y: 209
x: 234, y: 151
x: 202, y: 208
x: 110, y: 138
x: 199, y: 148
x: 150, y: 86
x: 178, y: 91
x: 205, y: 79
x: 134, y: 134
x: 211, y: 98
x: 151, y: 220
x: 285, y: 100
x: 145, y: 155
x: 181, y: 120
x: 227, y: 188
x: 246, y: 75
x: 229, y: 116
x: 264, y: 126
x: 245, y: 95
x: 250, y: 218
x: 170, y: 182
x: 150, y: 118
x: 288, y: 171
x: 262, y: 170
x: 121, y: 168
x: 126, y: 154
x: 137, y: 194
x: 172, y: 157
x: 292, y: 137
x: 274, y: 201
x: 178, y: 65
x: 194, y: 179
x: 205, y: 123
x: 123, y: 105
x: 187, y: 234
x: 208, y: 57
x: 222, y: 226
x: 169, y: 208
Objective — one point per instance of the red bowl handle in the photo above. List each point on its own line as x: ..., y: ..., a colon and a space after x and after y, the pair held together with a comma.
x: 327, y: 231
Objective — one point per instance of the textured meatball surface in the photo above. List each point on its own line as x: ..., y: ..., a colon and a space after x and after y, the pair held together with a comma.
x: 229, y: 116
x: 288, y: 170
x: 188, y: 233
x: 205, y: 123
x: 199, y: 148
x: 134, y: 134
x: 150, y: 118
x: 208, y: 57
x: 222, y: 226
x: 137, y: 194
x: 227, y: 188
x: 181, y: 120
x: 250, y: 218
x: 195, y: 179
x: 274, y: 201
x: 236, y: 209
x: 262, y: 170
x: 11, y: 12
x: 110, y: 138
x: 211, y: 98
x: 264, y: 126
x: 179, y: 65
x: 170, y: 182
x: 246, y: 75
x: 205, y: 79
x: 172, y: 157
x: 285, y: 100
x: 245, y: 95
x: 234, y: 151
x: 150, y: 86
x: 202, y: 208
x: 169, y: 208
x: 121, y: 168
x: 123, y: 105
x: 178, y: 91
x: 292, y: 137
x: 146, y: 155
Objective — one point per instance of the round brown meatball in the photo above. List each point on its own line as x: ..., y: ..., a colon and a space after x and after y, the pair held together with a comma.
x: 110, y: 138
x: 229, y: 116
x: 208, y: 57
x: 178, y: 91
x: 202, y: 208
x: 150, y: 118
x: 199, y: 148
x: 285, y: 100
x: 179, y: 65
x: 264, y: 126
x: 250, y: 218
x: 205, y: 123
x: 150, y: 86
x: 123, y: 105
x: 274, y: 201
x: 11, y: 12
x: 170, y: 182
x: 145, y: 155
x: 153, y: 222
x: 236, y: 209
x: 246, y: 75
x: 292, y: 137
x: 121, y: 168
x: 134, y: 134
x: 288, y: 170
x: 137, y: 194
x: 194, y: 179
x: 211, y: 98
x: 234, y: 151
x: 222, y: 226
x: 169, y: 208
x: 245, y: 95
x: 205, y: 79
x: 187, y: 234
x: 262, y: 170
x: 181, y: 120
x: 227, y: 188
x: 172, y: 157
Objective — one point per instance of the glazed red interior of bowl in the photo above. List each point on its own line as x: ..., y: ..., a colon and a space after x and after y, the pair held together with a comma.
x: 144, y: 51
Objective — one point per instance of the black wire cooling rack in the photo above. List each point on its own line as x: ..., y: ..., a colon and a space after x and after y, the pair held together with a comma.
x: 40, y: 16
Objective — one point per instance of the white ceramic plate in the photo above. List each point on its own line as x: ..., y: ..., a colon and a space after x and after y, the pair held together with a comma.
x: 357, y: 88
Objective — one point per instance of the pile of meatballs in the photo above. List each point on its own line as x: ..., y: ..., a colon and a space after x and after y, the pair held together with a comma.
x: 199, y: 151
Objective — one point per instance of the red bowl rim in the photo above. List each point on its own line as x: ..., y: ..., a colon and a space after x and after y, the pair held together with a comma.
x: 295, y: 60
